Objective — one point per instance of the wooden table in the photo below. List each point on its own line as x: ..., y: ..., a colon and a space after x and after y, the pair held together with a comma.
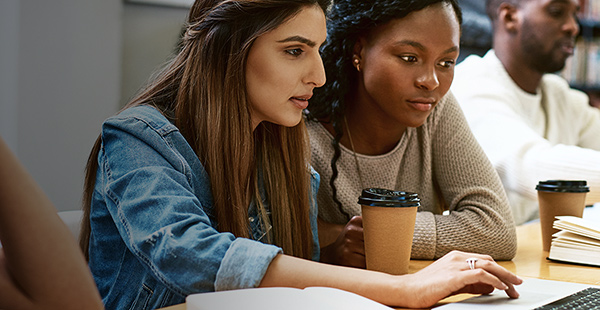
x: 530, y: 262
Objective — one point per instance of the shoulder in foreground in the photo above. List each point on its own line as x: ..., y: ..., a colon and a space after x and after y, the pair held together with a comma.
x: 144, y: 113
x: 557, y: 85
x: 555, y: 80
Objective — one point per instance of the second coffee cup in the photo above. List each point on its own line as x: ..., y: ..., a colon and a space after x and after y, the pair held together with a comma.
x: 559, y: 197
x: 388, y: 227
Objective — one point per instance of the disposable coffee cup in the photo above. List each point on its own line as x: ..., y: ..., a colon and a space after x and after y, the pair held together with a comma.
x: 559, y: 197
x: 388, y: 227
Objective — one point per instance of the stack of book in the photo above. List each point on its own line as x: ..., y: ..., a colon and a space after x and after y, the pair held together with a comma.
x: 577, y: 241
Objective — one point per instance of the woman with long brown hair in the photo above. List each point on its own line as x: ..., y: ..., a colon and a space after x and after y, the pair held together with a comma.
x: 203, y: 181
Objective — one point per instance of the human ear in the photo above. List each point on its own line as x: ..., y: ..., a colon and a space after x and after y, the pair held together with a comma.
x: 357, y: 53
x: 508, y: 17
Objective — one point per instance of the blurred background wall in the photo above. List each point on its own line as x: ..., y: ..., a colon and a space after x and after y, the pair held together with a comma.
x: 65, y: 66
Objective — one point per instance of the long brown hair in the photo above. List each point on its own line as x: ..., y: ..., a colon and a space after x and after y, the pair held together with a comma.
x: 202, y: 90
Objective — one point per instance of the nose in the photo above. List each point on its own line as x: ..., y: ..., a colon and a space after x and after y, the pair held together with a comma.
x: 571, y: 26
x: 428, y: 80
x: 316, y: 74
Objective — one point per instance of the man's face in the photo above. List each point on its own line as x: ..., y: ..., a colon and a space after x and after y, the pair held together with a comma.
x: 548, y: 33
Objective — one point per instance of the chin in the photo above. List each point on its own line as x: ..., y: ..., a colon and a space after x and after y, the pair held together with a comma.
x: 417, y: 123
x: 289, y: 122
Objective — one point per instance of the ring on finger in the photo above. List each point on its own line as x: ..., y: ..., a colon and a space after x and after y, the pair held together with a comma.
x: 471, y: 261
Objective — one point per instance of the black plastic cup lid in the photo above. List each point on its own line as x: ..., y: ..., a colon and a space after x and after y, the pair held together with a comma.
x: 563, y: 186
x: 388, y: 198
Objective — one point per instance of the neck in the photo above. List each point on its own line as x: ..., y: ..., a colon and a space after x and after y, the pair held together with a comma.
x: 369, y: 136
x: 521, y: 73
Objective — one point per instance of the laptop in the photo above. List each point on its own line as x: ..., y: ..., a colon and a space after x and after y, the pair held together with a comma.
x: 533, y: 292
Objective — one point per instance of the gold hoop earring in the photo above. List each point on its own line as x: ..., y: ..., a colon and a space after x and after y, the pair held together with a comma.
x: 356, y: 62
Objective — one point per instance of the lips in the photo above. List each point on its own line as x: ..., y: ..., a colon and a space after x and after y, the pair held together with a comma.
x: 422, y: 104
x: 301, y: 102
x: 568, y: 46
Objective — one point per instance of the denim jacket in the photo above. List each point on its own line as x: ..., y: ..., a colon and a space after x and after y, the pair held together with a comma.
x: 153, y: 238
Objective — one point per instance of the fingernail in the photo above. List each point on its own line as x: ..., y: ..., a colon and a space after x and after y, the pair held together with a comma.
x: 505, y: 287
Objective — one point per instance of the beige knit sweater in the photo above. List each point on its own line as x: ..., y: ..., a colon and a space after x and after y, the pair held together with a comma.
x: 442, y: 162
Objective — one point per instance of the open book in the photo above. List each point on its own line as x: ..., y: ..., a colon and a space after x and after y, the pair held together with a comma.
x: 578, y: 241
x: 313, y: 298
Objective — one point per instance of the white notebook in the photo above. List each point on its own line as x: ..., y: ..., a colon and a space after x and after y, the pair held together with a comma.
x: 313, y: 298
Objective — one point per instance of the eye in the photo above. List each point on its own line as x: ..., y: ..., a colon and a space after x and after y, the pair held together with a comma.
x: 447, y: 63
x: 409, y: 58
x: 556, y: 11
x: 295, y: 51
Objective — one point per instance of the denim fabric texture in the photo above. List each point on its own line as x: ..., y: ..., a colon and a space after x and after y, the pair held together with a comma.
x: 154, y: 238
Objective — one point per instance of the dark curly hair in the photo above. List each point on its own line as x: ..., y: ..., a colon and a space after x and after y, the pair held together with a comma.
x: 347, y: 21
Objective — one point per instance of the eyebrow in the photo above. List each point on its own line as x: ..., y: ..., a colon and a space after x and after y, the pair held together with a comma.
x: 299, y: 39
x: 578, y: 7
x: 421, y: 47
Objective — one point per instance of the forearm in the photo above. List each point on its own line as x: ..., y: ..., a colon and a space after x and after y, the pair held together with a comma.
x: 480, y: 218
x: 447, y: 276
x: 477, y: 232
x: 42, y: 257
x: 290, y: 271
x: 561, y: 161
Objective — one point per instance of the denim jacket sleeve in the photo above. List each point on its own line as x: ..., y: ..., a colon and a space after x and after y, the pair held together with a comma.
x: 159, y: 199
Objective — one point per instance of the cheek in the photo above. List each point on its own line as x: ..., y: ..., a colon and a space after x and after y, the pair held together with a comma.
x: 446, y: 79
x: 261, y: 83
x: 385, y: 78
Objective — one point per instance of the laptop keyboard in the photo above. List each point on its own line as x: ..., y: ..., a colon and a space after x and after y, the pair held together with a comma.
x: 586, y: 299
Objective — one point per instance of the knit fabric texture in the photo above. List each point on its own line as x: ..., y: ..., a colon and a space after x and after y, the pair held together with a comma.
x: 442, y: 162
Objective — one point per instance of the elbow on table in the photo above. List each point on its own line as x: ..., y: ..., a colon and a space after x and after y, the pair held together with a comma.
x: 503, y: 245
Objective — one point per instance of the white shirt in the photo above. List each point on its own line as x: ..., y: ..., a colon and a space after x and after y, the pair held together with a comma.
x: 553, y: 134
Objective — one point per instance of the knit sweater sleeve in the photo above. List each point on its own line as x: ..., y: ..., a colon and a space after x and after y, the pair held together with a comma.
x: 480, y: 218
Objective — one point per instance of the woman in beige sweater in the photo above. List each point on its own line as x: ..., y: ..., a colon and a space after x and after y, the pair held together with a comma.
x: 385, y: 119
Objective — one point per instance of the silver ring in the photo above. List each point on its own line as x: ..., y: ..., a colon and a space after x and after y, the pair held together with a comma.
x: 471, y: 261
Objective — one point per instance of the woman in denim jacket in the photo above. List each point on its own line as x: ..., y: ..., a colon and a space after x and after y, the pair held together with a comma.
x: 202, y: 182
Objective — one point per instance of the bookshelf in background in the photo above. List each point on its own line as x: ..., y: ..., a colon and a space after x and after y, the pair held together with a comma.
x: 582, y: 69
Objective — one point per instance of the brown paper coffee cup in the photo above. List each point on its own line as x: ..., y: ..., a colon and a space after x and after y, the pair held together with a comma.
x: 556, y: 198
x: 388, y: 227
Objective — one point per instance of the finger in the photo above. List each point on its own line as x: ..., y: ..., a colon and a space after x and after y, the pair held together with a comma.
x: 480, y: 276
x: 502, y: 273
x: 356, y: 220
x: 486, y: 262
x: 358, y: 250
x: 479, y: 288
x: 512, y: 291
x: 463, y: 256
x: 354, y: 230
x: 507, y: 277
x: 355, y: 234
x: 352, y: 246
